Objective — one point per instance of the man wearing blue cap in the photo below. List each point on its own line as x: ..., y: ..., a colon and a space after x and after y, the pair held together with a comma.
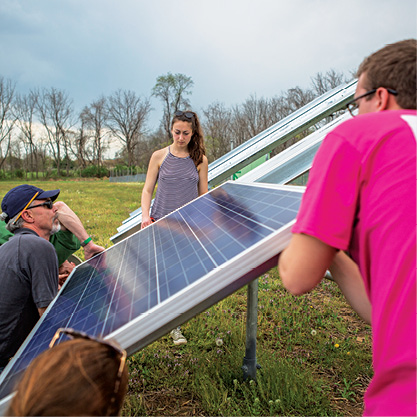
x: 29, y: 279
x: 68, y: 240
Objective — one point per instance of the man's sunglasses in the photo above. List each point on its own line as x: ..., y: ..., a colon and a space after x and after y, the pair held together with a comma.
x: 74, y: 334
x: 48, y: 204
x: 187, y: 114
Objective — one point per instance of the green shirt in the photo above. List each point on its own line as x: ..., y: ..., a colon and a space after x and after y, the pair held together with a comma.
x: 65, y: 243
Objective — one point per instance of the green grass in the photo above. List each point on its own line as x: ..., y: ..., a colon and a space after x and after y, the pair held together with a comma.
x: 314, y: 351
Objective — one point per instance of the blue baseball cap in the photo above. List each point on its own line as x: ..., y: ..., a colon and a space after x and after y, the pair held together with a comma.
x: 18, y: 197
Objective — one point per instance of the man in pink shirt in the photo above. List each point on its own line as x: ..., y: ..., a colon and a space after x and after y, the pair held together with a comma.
x: 361, y: 198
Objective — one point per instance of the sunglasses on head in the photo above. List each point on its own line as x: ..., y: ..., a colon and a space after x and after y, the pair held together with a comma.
x: 187, y: 114
x: 74, y: 334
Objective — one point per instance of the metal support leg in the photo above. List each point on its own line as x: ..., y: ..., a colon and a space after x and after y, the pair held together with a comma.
x: 249, y: 362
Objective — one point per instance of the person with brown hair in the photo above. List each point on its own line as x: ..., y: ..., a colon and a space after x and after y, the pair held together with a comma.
x: 181, y: 171
x: 79, y: 377
x: 361, y: 198
x: 394, y: 67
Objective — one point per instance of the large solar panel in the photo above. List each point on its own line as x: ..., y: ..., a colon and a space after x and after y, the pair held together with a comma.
x: 261, y: 144
x: 139, y: 289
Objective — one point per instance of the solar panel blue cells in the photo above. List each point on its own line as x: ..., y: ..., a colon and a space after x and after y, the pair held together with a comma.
x: 168, y: 272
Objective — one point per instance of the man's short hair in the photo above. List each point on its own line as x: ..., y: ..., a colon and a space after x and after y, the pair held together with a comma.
x: 393, y: 66
x: 14, y: 225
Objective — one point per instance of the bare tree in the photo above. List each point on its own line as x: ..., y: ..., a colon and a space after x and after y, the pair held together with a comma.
x: 326, y: 82
x: 42, y: 155
x: 172, y: 89
x: 217, y: 130
x: 143, y: 153
x: 257, y: 114
x: 292, y: 100
x: 297, y: 97
x: 81, y: 141
x: 93, y: 119
x: 251, y: 118
x: 126, y: 118
x: 150, y: 143
x: 279, y: 108
x: 24, y: 111
x: 7, y: 119
x: 55, y: 112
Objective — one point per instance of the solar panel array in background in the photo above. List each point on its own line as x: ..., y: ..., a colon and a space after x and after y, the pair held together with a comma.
x: 143, y: 271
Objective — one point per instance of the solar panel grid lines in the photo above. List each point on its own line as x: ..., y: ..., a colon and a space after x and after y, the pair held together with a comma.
x: 113, y: 293
x: 214, y: 288
x: 142, y: 287
x: 199, y: 240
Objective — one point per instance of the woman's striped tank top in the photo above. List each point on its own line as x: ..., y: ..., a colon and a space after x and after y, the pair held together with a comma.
x: 177, y: 185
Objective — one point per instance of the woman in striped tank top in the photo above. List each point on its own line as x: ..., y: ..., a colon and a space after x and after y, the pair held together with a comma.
x: 181, y: 171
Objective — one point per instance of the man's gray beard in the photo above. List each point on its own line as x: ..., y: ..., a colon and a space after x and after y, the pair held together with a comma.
x: 56, y: 227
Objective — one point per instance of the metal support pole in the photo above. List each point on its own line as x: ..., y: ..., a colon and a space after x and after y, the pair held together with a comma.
x: 232, y: 146
x: 250, y: 365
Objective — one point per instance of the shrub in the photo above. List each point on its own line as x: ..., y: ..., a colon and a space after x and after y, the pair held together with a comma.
x: 95, y: 171
x: 121, y: 169
x: 19, y: 173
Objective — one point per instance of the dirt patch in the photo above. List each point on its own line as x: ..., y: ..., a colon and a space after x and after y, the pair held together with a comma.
x: 170, y: 403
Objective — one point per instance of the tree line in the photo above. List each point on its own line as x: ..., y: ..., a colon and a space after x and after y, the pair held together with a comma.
x: 40, y: 131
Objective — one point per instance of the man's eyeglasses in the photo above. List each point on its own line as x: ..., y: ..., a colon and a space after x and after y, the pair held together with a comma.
x: 187, y: 114
x: 48, y: 204
x: 353, y: 106
x: 74, y: 334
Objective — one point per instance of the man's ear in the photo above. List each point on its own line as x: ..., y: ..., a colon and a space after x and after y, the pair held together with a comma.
x: 28, y: 217
x: 385, y: 100
x: 382, y: 96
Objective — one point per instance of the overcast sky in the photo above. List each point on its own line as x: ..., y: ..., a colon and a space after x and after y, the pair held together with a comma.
x: 230, y: 48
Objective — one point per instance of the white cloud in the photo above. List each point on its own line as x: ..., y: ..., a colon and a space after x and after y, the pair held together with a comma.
x: 231, y: 48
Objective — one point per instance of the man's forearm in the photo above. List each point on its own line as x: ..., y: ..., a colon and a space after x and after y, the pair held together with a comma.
x: 71, y: 221
x: 303, y: 264
x: 41, y: 311
x: 347, y: 276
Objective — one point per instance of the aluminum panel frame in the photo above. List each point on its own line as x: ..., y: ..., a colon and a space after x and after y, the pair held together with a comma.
x: 293, y: 161
x: 286, y: 128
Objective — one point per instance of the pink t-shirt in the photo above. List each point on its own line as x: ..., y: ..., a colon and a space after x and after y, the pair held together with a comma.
x: 361, y: 197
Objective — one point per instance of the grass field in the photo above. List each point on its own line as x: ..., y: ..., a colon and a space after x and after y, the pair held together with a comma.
x: 314, y: 351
